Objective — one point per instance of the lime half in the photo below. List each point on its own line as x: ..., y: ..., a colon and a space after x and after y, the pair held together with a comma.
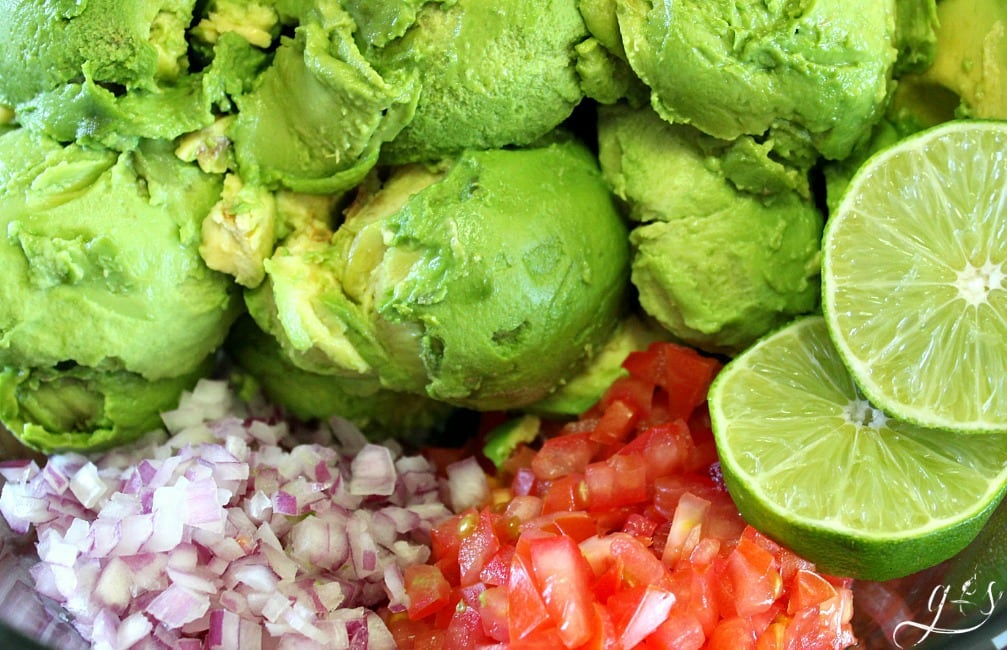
x: 914, y: 277
x: 810, y: 462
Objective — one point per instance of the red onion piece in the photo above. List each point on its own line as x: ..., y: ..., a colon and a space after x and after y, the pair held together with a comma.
x: 230, y: 532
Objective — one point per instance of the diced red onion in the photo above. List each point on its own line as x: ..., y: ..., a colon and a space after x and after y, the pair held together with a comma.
x: 467, y: 484
x: 230, y: 531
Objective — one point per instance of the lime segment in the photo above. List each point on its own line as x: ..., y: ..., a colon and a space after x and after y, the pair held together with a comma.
x: 810, y: 462
x: 914, y: 277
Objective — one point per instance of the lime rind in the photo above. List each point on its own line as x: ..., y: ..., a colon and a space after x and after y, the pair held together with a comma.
x: 913, y: 279
x: 811, y: 463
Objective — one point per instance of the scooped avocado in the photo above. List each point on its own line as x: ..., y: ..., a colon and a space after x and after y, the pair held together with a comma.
x: 380, y: 413
x: 101, y: 262
x: 481, y: 282
x: 83, y: 409
x: 107, y: 311
x: 110, y: 72
x: 493, y: 74
x: 716, y: 264
x: 970, y: 61
x: 317, y: 116
x: 821, y: 70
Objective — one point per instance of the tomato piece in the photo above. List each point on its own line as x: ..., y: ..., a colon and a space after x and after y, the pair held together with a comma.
x: 666, y: 447
x: 496, y: 571
x: 564, y: 580
x: 618, y: 481
x: 616, y: 422
x: 640, y: 526
x: 679, y: 631
x: 755, y: 582
x: 808, y: 589
x: 639, y: 611
x: 526, y: 609
x: 682, y: 372
x: 631, y: 390
x: 427, y: 589
x: 734, y: 633
x: 493, y: 610
x: 577, y: 525
x: 563, y: 455
x: 476, y: 548
x: 565, y: 494
x: 465, y: 631
x: 639, y: 564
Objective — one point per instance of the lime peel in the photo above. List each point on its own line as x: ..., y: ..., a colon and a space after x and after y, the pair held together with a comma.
x: 810, y: 462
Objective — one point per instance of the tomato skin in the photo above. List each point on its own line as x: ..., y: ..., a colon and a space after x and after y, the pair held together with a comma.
x: 427, y: 588
x: 563, y: 455
x: 680, y: 631
x: 616, y: 422
x: 526, y: 608
x: 564, y: 578
x: 476, y: 548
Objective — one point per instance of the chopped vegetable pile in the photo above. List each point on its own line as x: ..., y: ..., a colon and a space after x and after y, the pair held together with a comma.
x: 230, y: 533
x: 618, y: 533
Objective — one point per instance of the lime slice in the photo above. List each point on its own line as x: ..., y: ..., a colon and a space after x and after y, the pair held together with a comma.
x: 914, y: 263
x: 810, y: 462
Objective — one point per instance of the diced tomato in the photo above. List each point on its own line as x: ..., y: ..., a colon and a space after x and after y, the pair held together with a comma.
x: 564, y: 579
x: 679, y: 631
x: 619, y: 480
x: 427, y: 589
x: 493, y: 610
x: 732, y: 634
x: 755, y: 582
x: 639, y: 565
x: 476, y: 548
x: 631, y: 390
x: 667, y: 448
x: 465, y: 631
x: 618, y: 534
x: 526, y: 610
x: 565, y: 494
x: 639, y: 611
x: 496, y: 571
x: 563, y: 455
x: 808, y: 589
x: 616, y: 422
x: 577, y: 525
x: 682, y: 372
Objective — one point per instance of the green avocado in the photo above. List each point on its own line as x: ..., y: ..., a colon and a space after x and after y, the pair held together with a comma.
x: 821, y: 68
x: 101, y: 262
x: 493, y: 74
x: 81, y: 409
x: 316, y: 118
x: 970, y: 61
x: 380, y: 413
x: 715, y: 263
x: 109, y: 72
x: 481, y: 282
